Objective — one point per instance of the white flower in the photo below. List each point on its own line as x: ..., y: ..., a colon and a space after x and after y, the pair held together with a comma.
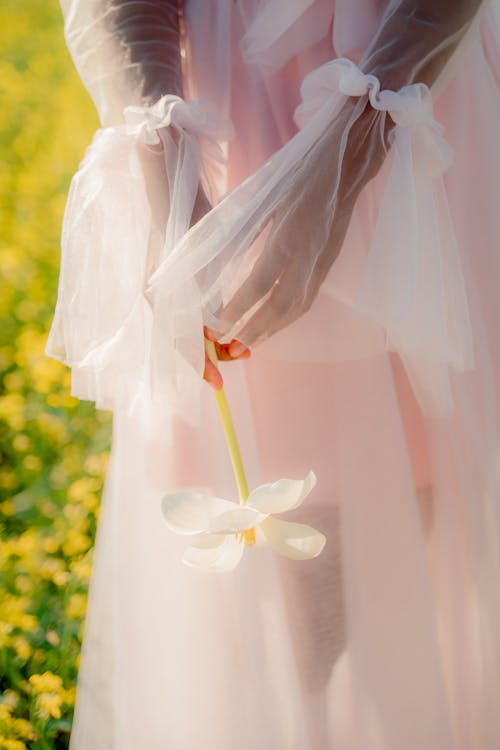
x: 227, y: 527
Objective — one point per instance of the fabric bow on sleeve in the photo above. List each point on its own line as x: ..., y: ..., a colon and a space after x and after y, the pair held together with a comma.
x: 129, y: 202
x: 412, y: 283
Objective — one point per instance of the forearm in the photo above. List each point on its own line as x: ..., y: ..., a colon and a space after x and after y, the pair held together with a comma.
x: 149, y: 33
x: 416, y: 39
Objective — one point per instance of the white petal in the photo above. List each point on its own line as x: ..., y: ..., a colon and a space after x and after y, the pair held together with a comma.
x: 285, y: 494
x: 239, y: 518
x: 214, y: 552
x: 191, y: 512
x: 295, y: 540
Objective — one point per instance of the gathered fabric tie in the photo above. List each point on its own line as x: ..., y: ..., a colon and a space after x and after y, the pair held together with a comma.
x: 412, y: 283
x: 128, y: 204
x: 196, y: 117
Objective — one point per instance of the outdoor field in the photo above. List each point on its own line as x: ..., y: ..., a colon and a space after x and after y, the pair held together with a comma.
x: 54, y: 449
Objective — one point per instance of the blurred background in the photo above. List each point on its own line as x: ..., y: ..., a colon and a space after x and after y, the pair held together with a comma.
x: 53, y: 448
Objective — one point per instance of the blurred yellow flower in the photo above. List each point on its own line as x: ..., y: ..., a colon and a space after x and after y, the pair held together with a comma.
x: 52, y: 542
x: 97, y: 464
x: 62, y: 578
x: 79, y: 489
x: 75, y: 512
x: 5, y: 711
x: 22, y: 647
x: 51, y: 427
x: 75, y: 543
x: 5, y: 630
x: 81, y: 569
x: 14, y: 381
x: 13, y: 614
x: 28, y: 623
x: 7, y: 508
x: 12, y: 410
x: 8, y: 479
x: 27, y: 310
x: 21, y: 442
x: 48, y: 682
x: 26, y: 543
x: 69, y: 696
x: 54, y: 569
x: 30, y: 346
x: 76, y: 607
x: 52, y: 637
x: 45, y: 374
x: 24, y: 583
x: 32, y: 463
x: 23, y: 728
x: 50, y: 438
x: 51, y: 566
x: 10, y: 698
x: 10, y: 744
x: 49, y: 704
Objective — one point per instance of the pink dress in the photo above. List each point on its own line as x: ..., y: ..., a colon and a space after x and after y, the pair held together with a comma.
x: 390, y: 638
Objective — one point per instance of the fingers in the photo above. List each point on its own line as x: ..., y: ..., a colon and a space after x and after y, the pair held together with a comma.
x: 296, y: 289
x: 233, y: 350
x: 212, y: 375
x: 237, y: 350
x: 263, y: 275
x: 264, y: 323
x: 225, y: 352
x: 210, y: 334
x: 283, y: 305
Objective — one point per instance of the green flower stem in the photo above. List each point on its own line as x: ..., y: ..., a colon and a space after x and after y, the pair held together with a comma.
x: 229, y: 431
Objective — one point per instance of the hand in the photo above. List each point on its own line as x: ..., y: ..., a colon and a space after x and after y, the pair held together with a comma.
x: 225, y: 352
x: 307, y: 231
x: 233, y: 350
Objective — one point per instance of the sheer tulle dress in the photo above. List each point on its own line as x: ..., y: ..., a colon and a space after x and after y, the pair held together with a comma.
x: 386, y: 384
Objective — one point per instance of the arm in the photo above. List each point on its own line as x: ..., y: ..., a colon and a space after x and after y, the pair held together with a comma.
x: 304, y: 197
x: 136, y: 192
x: 127, y: 52
x: 416, y: 39
x: 150, y: 37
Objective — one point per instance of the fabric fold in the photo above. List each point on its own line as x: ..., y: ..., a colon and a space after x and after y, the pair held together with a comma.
x: 283, y: 28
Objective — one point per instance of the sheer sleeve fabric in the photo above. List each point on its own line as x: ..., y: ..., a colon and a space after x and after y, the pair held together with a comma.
x: 126, y: 51
x: 257, y: 261
x: 134, y: 195
x: 130, y: 320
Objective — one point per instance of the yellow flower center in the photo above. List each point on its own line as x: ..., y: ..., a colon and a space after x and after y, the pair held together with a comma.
x: 248, y: 537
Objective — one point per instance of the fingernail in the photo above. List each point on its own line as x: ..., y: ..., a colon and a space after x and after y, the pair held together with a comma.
x: 236, y: 348
x: 210, y: 335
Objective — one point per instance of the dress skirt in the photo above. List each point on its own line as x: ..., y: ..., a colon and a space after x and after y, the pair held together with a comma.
x: 390, y: 638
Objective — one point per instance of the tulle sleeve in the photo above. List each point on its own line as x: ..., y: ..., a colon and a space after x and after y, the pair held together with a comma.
x: 132, y: 198
x: 126, y: 52
x: 256, y: 262
x: 136, y: 286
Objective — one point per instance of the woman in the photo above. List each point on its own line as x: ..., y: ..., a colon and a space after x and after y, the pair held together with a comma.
x: 337, y: 164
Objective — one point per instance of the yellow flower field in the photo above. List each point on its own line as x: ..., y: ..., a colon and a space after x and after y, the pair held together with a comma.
x: 54, y: 449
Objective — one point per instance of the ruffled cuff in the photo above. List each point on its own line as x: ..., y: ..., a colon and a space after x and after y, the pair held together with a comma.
x: 412, y: 282
x: 129, y: 203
